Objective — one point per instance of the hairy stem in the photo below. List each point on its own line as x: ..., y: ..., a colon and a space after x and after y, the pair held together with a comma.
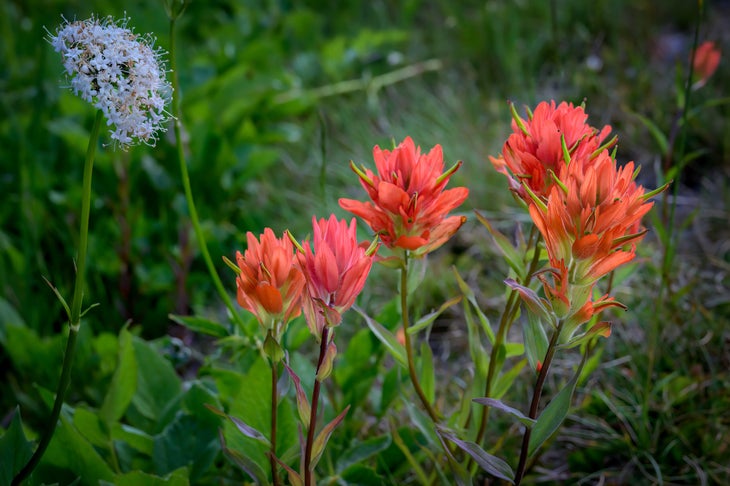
x: 313, y: 412
x: 75, y: 312
x: 409, y: 347
x: 520, y: 472
x: 274, y: 412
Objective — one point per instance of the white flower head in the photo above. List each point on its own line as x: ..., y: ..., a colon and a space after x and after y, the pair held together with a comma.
x: 119, y: 72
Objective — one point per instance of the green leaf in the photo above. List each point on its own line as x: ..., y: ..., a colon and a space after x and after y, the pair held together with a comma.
x: 536, y: 341
x: 469, y: 294
x: 70, y: 450
x: 201, y: 325
x: 386, y: 337
x: 360, y: 475
x: 157, y: 383
x: 15, y: 449
x: 656, y: 133
x: 178, y: 477
x: 89, y: 424
x: 135, y: 438
x: 426, y: 320
x: 511, y: 255
x: 124, y: 382
x: 553, y: 415
x: 535, y: 304
x: 186, y: 441
x: 249, y: 466
x: 320, y: 442
x: 428, y: 377
x: 492, y: 464
x: 360, y: 451
x: 505, y: 380
x: 491, y: 402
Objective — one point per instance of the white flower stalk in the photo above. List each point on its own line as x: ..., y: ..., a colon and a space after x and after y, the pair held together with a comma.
x: 119, y: 72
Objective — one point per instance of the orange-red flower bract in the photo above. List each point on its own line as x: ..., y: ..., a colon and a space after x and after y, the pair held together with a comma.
x: 590, y: 220
x: 335, y: 272
x: 409, y: 204
x: 534, y: 152
x: 269, y: 283
x: 706, y: 60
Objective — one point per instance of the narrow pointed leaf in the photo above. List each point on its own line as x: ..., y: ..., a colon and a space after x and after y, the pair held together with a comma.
x: 534, y: 303
x: 505, y: 380
x: 491, y: 402
x: 294, y: 478
x: 245, y: 463
x: 201, y: 325
x: 124, y: 382
x: 510, y: 253
x: 536, y: 341
x: 553, y: 415
x: 492, y: 464
x: 303, y: 406
x: 324, y: 435
x: 428, y: 377
x: 386, y: 337
x: 426, y: 320
x: 471, y: 298
x: 59, y: 297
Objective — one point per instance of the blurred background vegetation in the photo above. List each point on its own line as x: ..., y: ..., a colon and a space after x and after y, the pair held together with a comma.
x: 278, y: 96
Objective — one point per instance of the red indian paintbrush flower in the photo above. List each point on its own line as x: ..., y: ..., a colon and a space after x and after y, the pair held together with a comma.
x: 409, y: 204
x: 535, y: 153
x: 269, y: 283
x: 590, y: 217
x: 706, y: 59
x: 335, y: 272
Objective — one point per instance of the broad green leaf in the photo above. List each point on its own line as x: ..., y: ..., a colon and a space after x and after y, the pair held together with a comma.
x: 185, y: 442
x: 89, y: 424
x: 320, y: 442
x: 513, y: 349
x: 428, y: 377
x: 157, y: 383
x: 15, y: 449
x: 178, y: 477
x: 553, y: 415
x: 511, y: 255
x: 360, y: 451
x: 492, y: 464
x: 124, y: 382
x: 428, y: 319
x: 536, y: 341
x: 70, y: 450
x: 360, y: 475
x: 386, y: 337
x: 135, y: 438
x: 491, y: 402
x: 202, y: 325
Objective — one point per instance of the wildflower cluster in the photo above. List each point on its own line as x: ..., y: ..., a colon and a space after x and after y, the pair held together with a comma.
x: 587, y: 208
x: 119, y: 72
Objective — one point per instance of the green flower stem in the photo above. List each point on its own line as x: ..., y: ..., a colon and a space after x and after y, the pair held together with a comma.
x: 520, y: 472
x: 313, y: 411
x: 505, y: 324
x: 409, y: 348
x: 274, y: 411
x: 75, y: 312
x: 176, y: 113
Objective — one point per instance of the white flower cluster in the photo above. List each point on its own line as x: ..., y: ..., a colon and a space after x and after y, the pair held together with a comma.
x: 120, y: 73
